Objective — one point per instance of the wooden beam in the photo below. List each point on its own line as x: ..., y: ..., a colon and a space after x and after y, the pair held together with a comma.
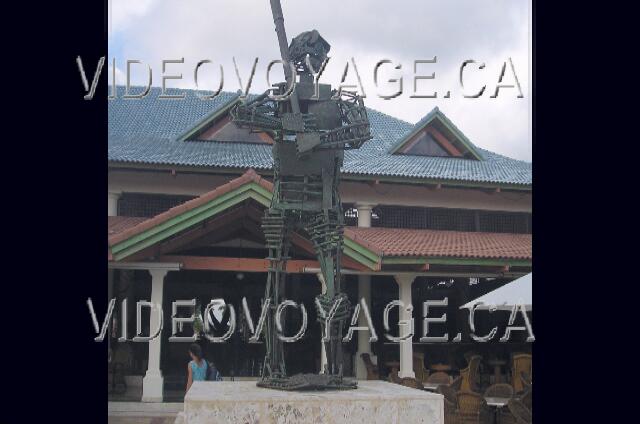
x: 225, y: 221
x: 216, y: 263
x: 442, y: 141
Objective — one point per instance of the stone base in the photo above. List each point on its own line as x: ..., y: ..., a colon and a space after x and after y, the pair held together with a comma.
x: 308, y: 382
x: 373, y: 402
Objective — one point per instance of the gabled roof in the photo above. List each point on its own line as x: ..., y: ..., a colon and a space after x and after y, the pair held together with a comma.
x: 405, y: 242
x: 147, y: 131
x: 369, y: 247
x: 145, y: 233
x: 428, y: 120
x: 215, y: 114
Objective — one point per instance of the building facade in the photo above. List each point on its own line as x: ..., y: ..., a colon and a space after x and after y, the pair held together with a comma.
x: 429, y: 215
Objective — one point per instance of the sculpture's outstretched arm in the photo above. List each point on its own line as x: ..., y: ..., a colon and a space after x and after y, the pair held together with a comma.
x: 355, y: 129
x: 262, y: 114
x: 259, y: 114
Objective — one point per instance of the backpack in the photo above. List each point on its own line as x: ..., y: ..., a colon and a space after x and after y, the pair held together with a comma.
x: 212, y: 373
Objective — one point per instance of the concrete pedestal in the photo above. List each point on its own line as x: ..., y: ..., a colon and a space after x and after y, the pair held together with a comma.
x: 372, y: 402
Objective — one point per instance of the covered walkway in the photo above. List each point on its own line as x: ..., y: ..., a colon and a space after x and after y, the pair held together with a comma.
x: 220, y: 232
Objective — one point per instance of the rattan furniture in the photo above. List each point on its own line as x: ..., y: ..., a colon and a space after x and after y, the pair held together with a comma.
x: 473, y: 408
x: 439, y: 377
x: 499, y: 391
x: 372, y: 370
x: 470, y: 375
x: 411, y: 382
x: 520, y: 363
x: 393, y: 377
x: 517, y: 410
x: 451, y: 412
x: 418, y: 367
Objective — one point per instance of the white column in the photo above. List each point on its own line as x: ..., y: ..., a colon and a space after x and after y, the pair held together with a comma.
x: 112, y: 203
x: 364, y: 215
x: 406, y: 346
x: 153, y: 382
x: 323, y: 350
x: 112, y: 211
x: 364, y: 291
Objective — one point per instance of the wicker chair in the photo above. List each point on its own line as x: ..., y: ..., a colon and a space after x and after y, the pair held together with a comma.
x: 456, y: 384
x: 473, y: 408
x: 526, y: 398
x: 514, y: 413
x: 449, y: 394
x: 504, y: 416
x: 393, y: 377
x: 451, y: 412
x: 411, y: 382
x: 499, y: 390
x: 520, y: 363
x: 439, y: 377
x: 470, y: 374
x: 372, y: 370
x: 418, y: 367
x: 521, y: 413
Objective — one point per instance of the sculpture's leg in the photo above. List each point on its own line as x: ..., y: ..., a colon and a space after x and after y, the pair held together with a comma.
x: 277, y: 234
x: 326, y: 232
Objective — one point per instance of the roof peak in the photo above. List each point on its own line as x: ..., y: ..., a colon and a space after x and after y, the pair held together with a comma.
x: 464, y: 147
x: 147, y: 131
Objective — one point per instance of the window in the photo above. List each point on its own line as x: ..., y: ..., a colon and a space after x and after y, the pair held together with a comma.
x: 425, y: 145
x: 452, y: 219
x: 148, y: 205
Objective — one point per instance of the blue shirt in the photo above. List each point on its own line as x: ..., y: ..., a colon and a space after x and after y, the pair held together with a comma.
x: 198, y: 373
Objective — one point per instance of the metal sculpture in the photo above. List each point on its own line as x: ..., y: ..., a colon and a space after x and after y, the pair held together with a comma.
x: 312, y: 126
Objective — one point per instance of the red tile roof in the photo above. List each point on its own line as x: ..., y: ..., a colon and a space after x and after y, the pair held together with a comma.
x: 140, y: 227
x: 456, y: 244
x: 382, y: 241
x: 117, y: 224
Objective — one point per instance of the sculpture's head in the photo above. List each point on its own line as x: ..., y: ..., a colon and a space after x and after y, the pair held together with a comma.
x: 308, y: 43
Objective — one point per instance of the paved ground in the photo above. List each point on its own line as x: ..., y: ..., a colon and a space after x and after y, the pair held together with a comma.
x: 143, y: 413
x: 140, y: 420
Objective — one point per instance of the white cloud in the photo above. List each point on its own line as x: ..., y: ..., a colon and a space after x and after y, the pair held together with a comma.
x: 405, y: 30
x: 123, y: 13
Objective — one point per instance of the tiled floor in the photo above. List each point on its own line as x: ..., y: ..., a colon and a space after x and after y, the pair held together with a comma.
x: 143, y: 413
x: 140, y: 420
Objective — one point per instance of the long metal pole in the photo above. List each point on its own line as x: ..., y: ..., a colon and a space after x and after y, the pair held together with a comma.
x: 278, y: 20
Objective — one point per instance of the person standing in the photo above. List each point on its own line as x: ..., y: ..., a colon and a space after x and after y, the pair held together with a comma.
x: 197, y: 367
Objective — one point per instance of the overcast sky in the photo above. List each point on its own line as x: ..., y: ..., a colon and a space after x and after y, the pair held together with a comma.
x: 403, y: 31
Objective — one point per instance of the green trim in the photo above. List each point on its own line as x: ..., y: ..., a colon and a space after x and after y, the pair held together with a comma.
x: 355, y: 255
x: 416, y: 129
x: 403, y: 260
x: 187, y: 219
x: 463, y: 138
x: 399, y: 260
x: 255, y: 191
x: 178, y: 223
x: 436, y: 113
x: 362, y: 251
x: 204, y: 122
